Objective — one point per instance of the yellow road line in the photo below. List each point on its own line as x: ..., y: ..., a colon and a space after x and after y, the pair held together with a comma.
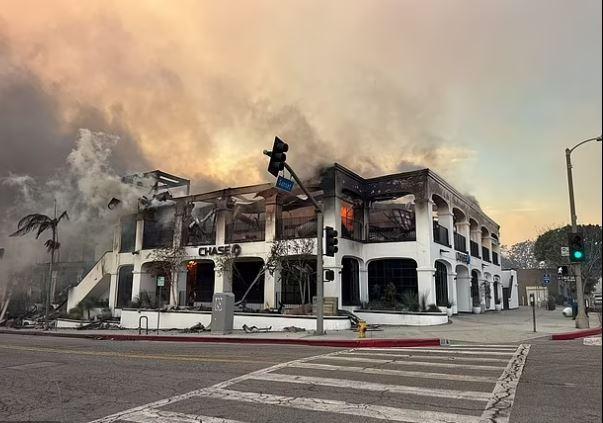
x: 132, y: 355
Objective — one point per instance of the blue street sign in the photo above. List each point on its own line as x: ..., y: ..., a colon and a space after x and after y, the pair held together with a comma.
x: 546, y: 279
x: 284, y: 184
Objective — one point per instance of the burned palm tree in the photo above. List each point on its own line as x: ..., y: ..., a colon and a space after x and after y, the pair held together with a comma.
x: 41, y: 223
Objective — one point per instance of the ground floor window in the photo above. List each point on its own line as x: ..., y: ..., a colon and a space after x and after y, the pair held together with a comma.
x: 200, y: 282
x: 441, y: 284
x: 350, y: 282
x: 298, y: 281
x: 125, y: 278
x: 392, y: 280
x: 244, y: 274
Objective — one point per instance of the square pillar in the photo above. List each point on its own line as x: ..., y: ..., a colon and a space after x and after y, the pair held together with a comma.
x: 424, y: 229
x: 363, y: 276
x: 270, y: 290
x: 136, y: 281
x: 426, y: 283
x: 452, y: 294
x: 113, y: 291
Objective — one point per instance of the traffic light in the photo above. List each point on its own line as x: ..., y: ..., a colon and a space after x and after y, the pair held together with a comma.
x: 329, y: 275
x: 330, y: 241
x: 278, y: 156
x: 576, y: 247
x: 563, y: 271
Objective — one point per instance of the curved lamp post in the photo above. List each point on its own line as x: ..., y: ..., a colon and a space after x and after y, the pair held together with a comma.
x: 581, y: 319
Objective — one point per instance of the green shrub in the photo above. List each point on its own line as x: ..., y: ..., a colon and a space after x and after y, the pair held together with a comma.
x: 433, y: 308
x: 410, y: 301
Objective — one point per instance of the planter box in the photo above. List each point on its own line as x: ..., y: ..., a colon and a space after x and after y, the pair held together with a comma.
x: 401, y: 318
x: 498, y: 307
x: 449, y: 312
x: 477, y: 310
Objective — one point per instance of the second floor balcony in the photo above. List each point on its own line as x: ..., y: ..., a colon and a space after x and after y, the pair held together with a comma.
x: 474, y: 249
x: 460, y: 243
x: 495, y: 258
x: 440, y: 234
x: 485, y: 254
x: 296, y: 227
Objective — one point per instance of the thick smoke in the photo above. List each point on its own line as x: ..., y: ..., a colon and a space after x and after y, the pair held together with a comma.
x: 82, y: 187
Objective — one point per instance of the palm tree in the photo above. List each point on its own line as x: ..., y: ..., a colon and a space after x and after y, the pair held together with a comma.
x: 41, y: 223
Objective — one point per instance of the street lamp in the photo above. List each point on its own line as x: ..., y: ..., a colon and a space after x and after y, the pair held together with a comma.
x: 581, y: 319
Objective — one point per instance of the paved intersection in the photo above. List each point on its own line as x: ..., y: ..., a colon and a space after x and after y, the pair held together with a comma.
x: 462, y: 383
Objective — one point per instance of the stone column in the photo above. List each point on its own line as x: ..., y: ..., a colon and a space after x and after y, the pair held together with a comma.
x: 425, y: 269
x: 136, y: 280
x: 446, y: 219
x: 426, y: 283
x: 139, y: 232
x: 452, y: 295
x: 464, y: 228
x: 363, y: 276
x: 113, y: 291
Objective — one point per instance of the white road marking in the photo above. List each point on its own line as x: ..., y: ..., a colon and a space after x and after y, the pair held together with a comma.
x: 378, y: 387
x: 499, y: 407
x: 415, y: 363
x: 341, y: 407
x: 595, y: 340
x: 438, y: 357
x: 486, y: 345
x: 374, y: 371
x: 159, y: 416
x: 460, y: 351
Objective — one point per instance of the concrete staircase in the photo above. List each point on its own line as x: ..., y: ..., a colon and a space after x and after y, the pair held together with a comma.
x: 96, y: 281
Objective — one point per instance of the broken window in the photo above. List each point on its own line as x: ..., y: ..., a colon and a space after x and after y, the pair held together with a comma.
x: 244, y: 274
x: 247, y: 222
x: 402, y: 273
x: 352, y: 220
x: 200, y: 281
x: 158, y: 227
x: 392, y: 220
x: 127, y: 240
x: 350, y: 282
x: 200, y: 224
x: 298, y: 218
x: 125, y: 278
x: 298, y: 281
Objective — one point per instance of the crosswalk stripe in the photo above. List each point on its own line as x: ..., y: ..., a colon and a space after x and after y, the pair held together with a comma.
x: 152, y: 415
x: 376, y: 371
x: 442, y: 358
x: 486, y: 345
x: 340, y: 407
x: 460, y: 351
x: 378, y: 387
x: 415, y: 363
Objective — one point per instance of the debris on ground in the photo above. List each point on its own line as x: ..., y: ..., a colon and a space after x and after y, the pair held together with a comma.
x: 255, y: 329
x: 199, y: 327
x: 293, y: 329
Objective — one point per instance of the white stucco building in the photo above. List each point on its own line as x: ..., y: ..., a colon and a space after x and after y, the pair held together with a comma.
x: 412, y: 230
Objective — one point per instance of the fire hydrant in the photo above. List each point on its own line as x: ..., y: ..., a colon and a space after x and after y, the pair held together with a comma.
x: 362, y: 327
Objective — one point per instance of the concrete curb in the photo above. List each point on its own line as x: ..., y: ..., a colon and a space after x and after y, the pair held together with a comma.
x: 342, y: 343
x: 576, y: 334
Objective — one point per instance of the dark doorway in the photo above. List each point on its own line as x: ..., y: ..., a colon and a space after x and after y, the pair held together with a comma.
x: 124, y: 286
x: 200, y: 282
x: 401, y: 272
x: 350, y: 282
x: 506, y: 295
x: 244, y: 273
x: 475, y: 289
x: 441, y: 284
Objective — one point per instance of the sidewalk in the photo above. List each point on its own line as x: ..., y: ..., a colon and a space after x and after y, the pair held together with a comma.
x: 509, y: 326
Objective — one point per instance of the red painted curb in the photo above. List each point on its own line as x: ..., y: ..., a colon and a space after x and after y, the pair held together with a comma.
x: 343, y: 343
x: 575, y: 334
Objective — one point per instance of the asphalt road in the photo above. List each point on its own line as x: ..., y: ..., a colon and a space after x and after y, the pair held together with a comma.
x: 78, y: 380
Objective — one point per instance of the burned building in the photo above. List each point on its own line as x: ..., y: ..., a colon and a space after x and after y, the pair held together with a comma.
x: 407, y: 235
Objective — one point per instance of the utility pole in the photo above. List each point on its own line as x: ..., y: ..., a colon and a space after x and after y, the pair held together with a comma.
x: 279, y: 163
x: 581, y: 319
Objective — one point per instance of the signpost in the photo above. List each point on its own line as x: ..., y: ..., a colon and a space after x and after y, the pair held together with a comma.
x: 565, y: 252
x: 160, y: 285
x: 546, y: 279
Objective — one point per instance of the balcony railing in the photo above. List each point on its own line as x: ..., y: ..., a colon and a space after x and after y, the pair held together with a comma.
x: 474, y: 249
x: 390, y: 234
x: 440, y: 234
x: 485, y: 254
x: 352, y: 229
x: 495, y: 258
x: 240, y: 231
x: 460, y: 243
x: 296, y: 227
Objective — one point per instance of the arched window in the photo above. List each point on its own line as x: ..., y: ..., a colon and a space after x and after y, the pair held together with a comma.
x: 441, y: 284
x: 350, y: 284
x: 402, y: 273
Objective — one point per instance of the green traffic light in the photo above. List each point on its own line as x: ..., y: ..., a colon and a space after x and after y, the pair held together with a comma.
x: 578, y: 254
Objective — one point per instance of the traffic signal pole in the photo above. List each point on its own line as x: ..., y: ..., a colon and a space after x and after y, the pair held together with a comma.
x: 320, y: 330
x: 581, y: 319
x: 319, y: 229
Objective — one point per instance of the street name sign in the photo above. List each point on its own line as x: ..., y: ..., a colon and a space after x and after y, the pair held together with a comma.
x: 284, y: 184
x: 546, y: 279
x: 565, y: 252
x: 160, y: 281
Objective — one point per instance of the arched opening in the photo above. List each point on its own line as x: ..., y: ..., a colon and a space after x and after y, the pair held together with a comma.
x: 125, y: 278
x: 200, y: 281
x: 496, y: 288
x: 460, y: 239
x: 298, y: 280
x: 486, y: 244
x: 441, y: 284
x: 393, y: 281
x: 350, y: 281
x: 248, y: 278
x: 155, y: 283
x: 475, y: 297
x: 475, y: 238
x: 392, y: 219
x: 441, y: 220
